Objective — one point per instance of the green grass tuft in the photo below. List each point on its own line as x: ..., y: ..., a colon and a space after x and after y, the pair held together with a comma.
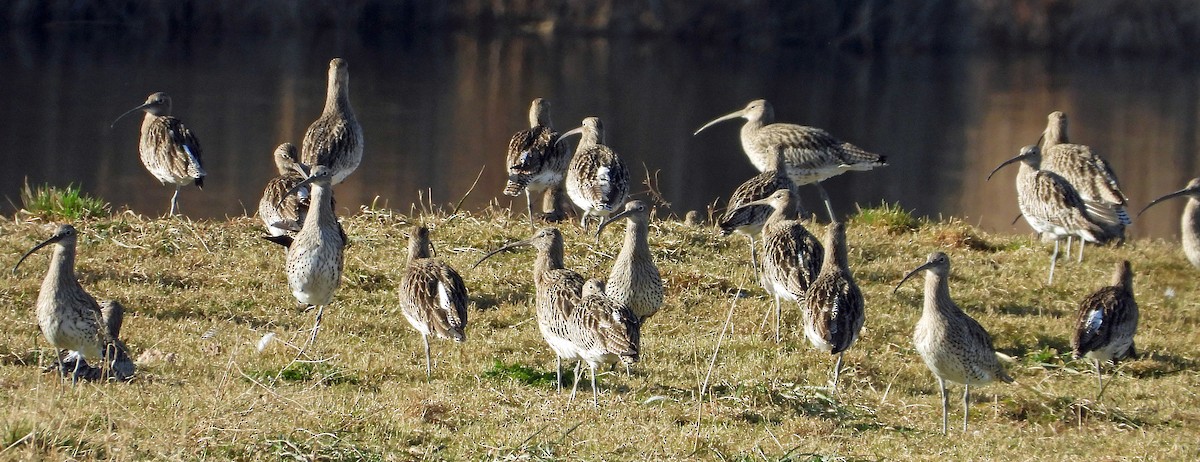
x: 523, y: 374
x: 890, y: 217
x: 51, y: 203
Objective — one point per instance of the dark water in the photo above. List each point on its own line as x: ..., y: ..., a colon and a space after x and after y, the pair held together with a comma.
x: 436, y: 109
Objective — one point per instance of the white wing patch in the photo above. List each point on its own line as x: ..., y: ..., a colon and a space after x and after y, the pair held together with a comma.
x: 444, y: 300
x: 1094, y: 321
x: 604, y: 180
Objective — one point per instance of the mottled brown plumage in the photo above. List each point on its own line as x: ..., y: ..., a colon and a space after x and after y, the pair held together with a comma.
x: 634, y: 280
x: 314, y: 258
x: 1189, y: 222
x: 433, y: 297
x: 1050, y: 205
x: 749, y: 221
x: 536, y: 162
x: 833, y: 315
x: 1090, y: 176
x: 68, y: 316
x: 604, y: 330
x: 284, y: 215
x: 597, y: 179
x: 812, y: 155
x: 791, y: 255
x: 168, y: 149
x: 335, y: 139
x: 1106, y: 323
x: 954, y: 346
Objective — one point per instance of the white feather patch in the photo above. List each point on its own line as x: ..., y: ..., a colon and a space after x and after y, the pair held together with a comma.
x: 264, y: 341
x: 444, y: 298
x: 1095, y: 320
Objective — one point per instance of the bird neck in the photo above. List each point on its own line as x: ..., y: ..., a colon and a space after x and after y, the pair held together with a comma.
x: 417, y: 249
x: 61, y: 272
x: 547, y: 260
x: 637, y: 243
x: 937, y: 295
x: 148, y: 120
x: 836, y: 254
x: 537, y: 117
x: 590, y: 138
x: 337, y: 96
x: 322, y: 213
x: 1055, y: 134
x: 781, y: 212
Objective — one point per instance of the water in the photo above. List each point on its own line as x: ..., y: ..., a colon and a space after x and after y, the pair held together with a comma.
x: 436, y: 109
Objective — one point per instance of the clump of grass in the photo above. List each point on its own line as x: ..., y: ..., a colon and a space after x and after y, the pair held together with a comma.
x: 890, y: 217
x: 51, y: 203
x: 522, y: 374
x: 958, y: 235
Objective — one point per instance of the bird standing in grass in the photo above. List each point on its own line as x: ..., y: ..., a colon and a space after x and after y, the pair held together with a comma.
x: 597, y: 179
x: 604, y: 330
x: 169, y: 150
x: 833, y: 315
x: 68, y: 316
x: 314, y: 258
x: 749, y: 220
x: 433, y: 297
x: 1089, y: 174
x: 536, y: 162
x: 1107, y: 320
x: 335, y: 139
x: 634, y: 280
x: 954, y: 346
x: 792, y: 256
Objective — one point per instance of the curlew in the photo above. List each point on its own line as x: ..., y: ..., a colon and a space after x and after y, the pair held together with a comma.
x: 597, y: 180
x: 1189, y: 223
x: 954, y: 346
x: 604, y: 330
x: 536, y: 162
x: 314, y: 257
x: 335, y: 139
x: 1107, y: 320
x: 68, y: 316
x: 833, y: 315
x: 748, y: 221
x: 634, y: 280
x: 284, y: 215
x: 169, y: 150
x: 1089, y: 174
x: 572, y: 333
x: 812, y: 155
x: 433, y: 297
x: 1050, y: 205
x: 791, y: 255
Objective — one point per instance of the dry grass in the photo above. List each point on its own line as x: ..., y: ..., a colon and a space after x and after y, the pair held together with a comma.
x: 215, y: 396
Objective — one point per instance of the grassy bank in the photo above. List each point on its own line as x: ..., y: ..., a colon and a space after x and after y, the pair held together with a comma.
x: 201, y: 295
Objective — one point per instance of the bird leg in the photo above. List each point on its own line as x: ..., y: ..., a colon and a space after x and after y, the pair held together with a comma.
x: 175, y: 200
x: 1069, y: 239
x: 575, y: 382
x: 966, y: 405
x: 837, y: 369
x: 1099, y: 380
x: 1053, y: 259
x: 312, y: 338
x: 529, y: 207
x: 945, y: 404
x: 428, y: 363
x: 825, y: 198
x: 595, y: 400
x: 558, y: 368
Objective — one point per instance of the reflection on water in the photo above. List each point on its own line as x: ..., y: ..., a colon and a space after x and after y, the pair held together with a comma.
x: 437, y: 109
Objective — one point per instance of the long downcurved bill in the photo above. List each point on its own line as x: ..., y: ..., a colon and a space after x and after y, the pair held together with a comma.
x: 53, y: 239
x: 1181, y: 192
x: 611, y: 219
x: 573, y: 131
x: 131, y: 111
x: 731, y: 115
x: 520, y: 243
x: 1009, y: 161
x: 301, y: 185
x: 911, y: 273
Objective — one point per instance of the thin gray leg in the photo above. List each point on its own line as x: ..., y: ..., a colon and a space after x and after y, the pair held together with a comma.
x: 558, y: 368
x: 1099, y: 380
x: 529, y: 208
x: 966, y: 405
x: 595, y: 401
x: 1053, y: 259
x: 428, y: 362
x: 175, y: 200
x: 837, y: 369
x: 825, y: 198
x: 945, y: 404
